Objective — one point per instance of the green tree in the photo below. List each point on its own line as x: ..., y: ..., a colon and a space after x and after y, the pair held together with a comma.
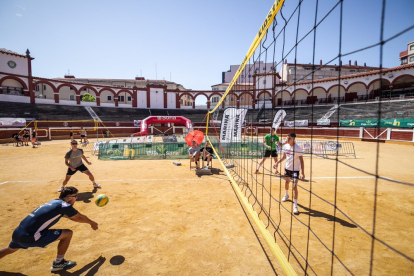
x: 88, y: 98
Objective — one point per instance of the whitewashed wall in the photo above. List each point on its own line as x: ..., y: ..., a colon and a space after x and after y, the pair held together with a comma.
x: 171, y: 100
x: 21, y: 64
x: 157, y: 98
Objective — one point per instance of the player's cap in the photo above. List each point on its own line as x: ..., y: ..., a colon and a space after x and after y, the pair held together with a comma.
x: 74, y: 142
x: 293, y: 135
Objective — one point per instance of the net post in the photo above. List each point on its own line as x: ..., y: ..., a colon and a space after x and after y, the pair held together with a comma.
x: 208, y: 119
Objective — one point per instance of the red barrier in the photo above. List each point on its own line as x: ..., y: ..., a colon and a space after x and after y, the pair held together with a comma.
x: 164, y: 120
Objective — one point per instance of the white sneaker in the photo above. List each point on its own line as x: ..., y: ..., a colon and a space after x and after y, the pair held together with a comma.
x: 60, y: 189
x: 96, y: 185
x: 295, y: 210
x: 285, y: 198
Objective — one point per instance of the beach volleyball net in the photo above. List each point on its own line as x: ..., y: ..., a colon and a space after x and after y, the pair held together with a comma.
x: 256, y: 100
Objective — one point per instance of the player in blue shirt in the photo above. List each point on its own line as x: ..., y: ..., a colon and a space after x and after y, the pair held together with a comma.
x: 34, y: 230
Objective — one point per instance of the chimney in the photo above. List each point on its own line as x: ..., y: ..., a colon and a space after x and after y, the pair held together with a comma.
x: 365, y: 64
x: 320, y: 63
x: 139, y: 78
x: 356, y: 63
x: 340, y: 63
x: 349, y: 62
x: 69, y: 75
x: 285, y: 61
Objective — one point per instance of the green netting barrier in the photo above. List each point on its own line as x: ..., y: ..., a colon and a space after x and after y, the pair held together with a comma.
x: 246, y: 149
x: 131, y: 151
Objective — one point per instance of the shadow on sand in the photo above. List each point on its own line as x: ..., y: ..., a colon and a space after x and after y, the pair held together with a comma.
x: 86, y: 197
x: 90, y: 269
x: 318, y: 214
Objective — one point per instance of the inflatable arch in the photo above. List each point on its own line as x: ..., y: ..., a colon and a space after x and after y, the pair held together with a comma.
x: 165, y: 120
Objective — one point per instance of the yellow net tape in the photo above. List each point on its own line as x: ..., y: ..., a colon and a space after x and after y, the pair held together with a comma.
x: 256, y: 42
x: 287, y: 268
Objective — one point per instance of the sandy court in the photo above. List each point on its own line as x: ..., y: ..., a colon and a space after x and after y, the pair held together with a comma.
x: 351, y: 184
x: 164, y: 220
x: 161, y: 219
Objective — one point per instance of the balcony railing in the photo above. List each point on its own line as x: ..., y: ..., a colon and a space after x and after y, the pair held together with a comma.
x: 9, y: 90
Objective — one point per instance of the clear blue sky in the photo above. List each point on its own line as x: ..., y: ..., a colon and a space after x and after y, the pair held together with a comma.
x: 192, y: 40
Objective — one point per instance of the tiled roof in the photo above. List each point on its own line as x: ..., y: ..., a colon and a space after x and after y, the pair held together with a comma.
x: 358, y: 75
x: 403, y: 54
x: 347, y: 66
x: 3, y: 50
x: 81, y: 81
x: 116, y: 80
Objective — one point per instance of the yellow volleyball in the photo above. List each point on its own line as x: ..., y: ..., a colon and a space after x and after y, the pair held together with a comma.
x: 101, y: 200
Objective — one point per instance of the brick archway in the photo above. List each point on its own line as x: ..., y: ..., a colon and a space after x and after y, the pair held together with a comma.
x: 203, y: 94
x: 45, y: 82
x: 16, y: 79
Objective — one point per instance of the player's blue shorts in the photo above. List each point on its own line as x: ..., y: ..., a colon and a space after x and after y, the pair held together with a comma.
x: 20, y: 241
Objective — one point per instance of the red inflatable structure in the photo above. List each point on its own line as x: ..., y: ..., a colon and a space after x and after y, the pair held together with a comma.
x: 164, y: 120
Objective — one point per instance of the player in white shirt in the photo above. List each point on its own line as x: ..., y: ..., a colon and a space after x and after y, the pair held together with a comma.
x: 293, y: 154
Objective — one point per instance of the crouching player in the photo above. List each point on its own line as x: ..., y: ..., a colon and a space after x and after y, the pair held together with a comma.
x: 34, y: 230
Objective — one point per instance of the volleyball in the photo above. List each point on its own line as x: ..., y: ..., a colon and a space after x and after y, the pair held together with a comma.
x: 101, y: 200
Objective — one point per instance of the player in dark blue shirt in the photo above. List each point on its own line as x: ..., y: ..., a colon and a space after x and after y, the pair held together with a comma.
x: 34, y: 230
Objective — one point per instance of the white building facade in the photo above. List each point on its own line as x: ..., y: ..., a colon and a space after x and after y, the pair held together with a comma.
x: 407, y: 57
x: 18, y: 85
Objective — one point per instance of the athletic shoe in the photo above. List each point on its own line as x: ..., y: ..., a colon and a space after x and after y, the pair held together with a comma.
x: 285, y: 198
x: 96, y: 185
x: 295, y: 210
x: 62, y: 265
x: 60, y: 189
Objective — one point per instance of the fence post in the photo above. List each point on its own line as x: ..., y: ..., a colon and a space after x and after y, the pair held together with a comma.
x: 389, y: 133
x: 361, y: 132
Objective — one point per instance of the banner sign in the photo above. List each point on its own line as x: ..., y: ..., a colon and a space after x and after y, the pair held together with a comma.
x: 280, y: 115
x: 399, y: 123
x: 231, y: 124
x: 12, y: 122
x: 297, y: 123
x: 324, y: 122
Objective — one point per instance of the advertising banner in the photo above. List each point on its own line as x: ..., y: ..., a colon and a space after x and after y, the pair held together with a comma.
x: 396, y: 123
x: 297, y: 123
x: 12, y: 122
x: 324, y: 122
x: 231, y: 124
x: 280, y: 115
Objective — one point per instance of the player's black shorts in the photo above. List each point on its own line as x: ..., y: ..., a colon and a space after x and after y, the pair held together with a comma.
x: 269, y: 153
x: 83, y: 136
x: 81, y: 168
x: 292, y: 174
x: 21, y: 240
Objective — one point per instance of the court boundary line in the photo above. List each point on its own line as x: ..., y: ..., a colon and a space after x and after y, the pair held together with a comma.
x: 172, y: 179
x: 115, y: 180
